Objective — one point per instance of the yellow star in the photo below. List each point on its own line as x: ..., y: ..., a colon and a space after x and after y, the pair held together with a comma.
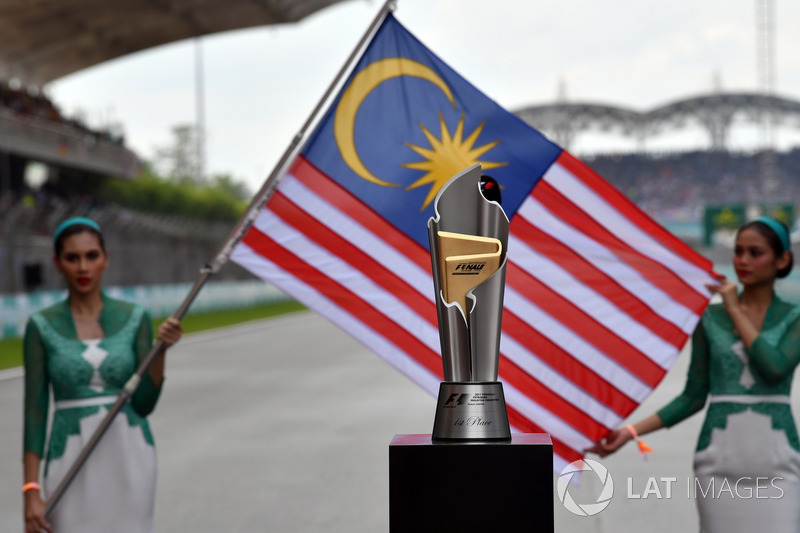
x: 448, y: 156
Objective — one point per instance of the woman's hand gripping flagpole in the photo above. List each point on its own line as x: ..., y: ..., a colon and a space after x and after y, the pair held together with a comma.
x: 222, y: 256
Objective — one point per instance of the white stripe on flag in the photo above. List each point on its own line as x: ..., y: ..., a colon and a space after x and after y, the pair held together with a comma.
x: 592, y: 303
x: 546, y: 420
x: 559, y: 464
x: 607, y: 215
x: 567, y: 340
x: 604, y: 260
x: 308, y: 296
x: 559, y: 384
x: 350, y: 277
x: 357, y: 235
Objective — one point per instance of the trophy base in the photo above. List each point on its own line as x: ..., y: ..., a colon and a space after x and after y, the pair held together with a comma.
x: 471, y: 411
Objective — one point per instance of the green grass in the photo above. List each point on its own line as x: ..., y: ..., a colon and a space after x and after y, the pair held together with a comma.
x: 217, y: 319
x: 11, y: 349
x: 10, y: 353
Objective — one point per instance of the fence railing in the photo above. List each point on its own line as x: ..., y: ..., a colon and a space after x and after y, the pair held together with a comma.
x: 145, y: 248
x: 159, y: 300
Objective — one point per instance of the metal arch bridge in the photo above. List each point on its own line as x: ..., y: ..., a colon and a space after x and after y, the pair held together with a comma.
x: 715, y: 113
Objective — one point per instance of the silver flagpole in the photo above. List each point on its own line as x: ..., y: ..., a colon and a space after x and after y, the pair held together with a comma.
x: 241, y: 228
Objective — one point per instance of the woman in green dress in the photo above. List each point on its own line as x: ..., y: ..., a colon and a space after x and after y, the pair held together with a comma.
x: 85, y: 349
x: 744, y: 353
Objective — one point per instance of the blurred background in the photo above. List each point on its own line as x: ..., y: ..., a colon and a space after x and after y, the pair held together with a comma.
x: 160, y: 120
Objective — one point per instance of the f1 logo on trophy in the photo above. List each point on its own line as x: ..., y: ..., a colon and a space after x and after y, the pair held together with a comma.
x: 468, y: 239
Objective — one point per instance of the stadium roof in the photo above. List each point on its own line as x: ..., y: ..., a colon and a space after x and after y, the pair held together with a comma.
x: 714, y: 112
x: 41, y: 40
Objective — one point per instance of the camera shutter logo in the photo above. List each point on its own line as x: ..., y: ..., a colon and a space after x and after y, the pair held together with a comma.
x: 586, y: 509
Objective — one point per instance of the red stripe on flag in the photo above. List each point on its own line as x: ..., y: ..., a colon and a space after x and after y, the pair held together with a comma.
x: 324, y: 237
x: 264, y: 245
x: 584, y: 326
x: 334, y: 243
x: 335, y: 194
x: 345, y: 299
x: 549, y: 400
x: 598, y: 281
x: 621, y: 203
x: 564, y: 363
x: 523, y: 424
x: 653, y: 271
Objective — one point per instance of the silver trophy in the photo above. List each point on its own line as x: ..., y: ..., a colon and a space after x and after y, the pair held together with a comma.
x: 468, y: 239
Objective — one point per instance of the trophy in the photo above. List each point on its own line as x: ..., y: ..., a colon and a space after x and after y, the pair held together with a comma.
x: 468, y: 239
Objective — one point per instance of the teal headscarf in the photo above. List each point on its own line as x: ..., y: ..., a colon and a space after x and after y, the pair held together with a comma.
x: 779, y: 229
x: 72, y: 222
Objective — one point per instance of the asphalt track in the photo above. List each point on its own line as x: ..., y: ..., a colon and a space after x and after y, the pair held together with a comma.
x: 285, y: 424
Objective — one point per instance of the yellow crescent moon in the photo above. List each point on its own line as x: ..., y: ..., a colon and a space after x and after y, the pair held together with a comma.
x: 363, y: 83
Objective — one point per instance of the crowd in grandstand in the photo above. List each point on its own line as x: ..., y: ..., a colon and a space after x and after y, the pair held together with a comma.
x: 24, y: 103
x: 675, y: 185
x: 683, y: 182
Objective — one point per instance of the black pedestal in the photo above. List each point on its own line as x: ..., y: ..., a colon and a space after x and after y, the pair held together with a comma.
x: 487, y: 487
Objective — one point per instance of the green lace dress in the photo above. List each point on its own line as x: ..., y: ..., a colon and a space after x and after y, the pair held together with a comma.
x: 747, y: 462
x: 115, y: 489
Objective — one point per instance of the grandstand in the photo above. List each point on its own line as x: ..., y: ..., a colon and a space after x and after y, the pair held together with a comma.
x: 677, y: 185
x: 670, y: 185
x: 33, y: 128
x: 78, y: 160
x: 716, y: 113
x: 45, y: 41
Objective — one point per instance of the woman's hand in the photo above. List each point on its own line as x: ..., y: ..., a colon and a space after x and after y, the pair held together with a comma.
x: 611, y: 443
x: 727, y: 290
x: 170, y: 332
x: 35, y: 521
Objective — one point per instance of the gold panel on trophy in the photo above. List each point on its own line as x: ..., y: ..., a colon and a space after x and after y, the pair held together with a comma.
x: 466, y: 261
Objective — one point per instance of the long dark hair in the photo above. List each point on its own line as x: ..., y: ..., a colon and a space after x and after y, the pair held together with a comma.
x: 774, y: 242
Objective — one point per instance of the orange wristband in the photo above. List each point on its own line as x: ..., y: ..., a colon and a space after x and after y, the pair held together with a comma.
x: 644, y: 449
x: 32, y: 485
